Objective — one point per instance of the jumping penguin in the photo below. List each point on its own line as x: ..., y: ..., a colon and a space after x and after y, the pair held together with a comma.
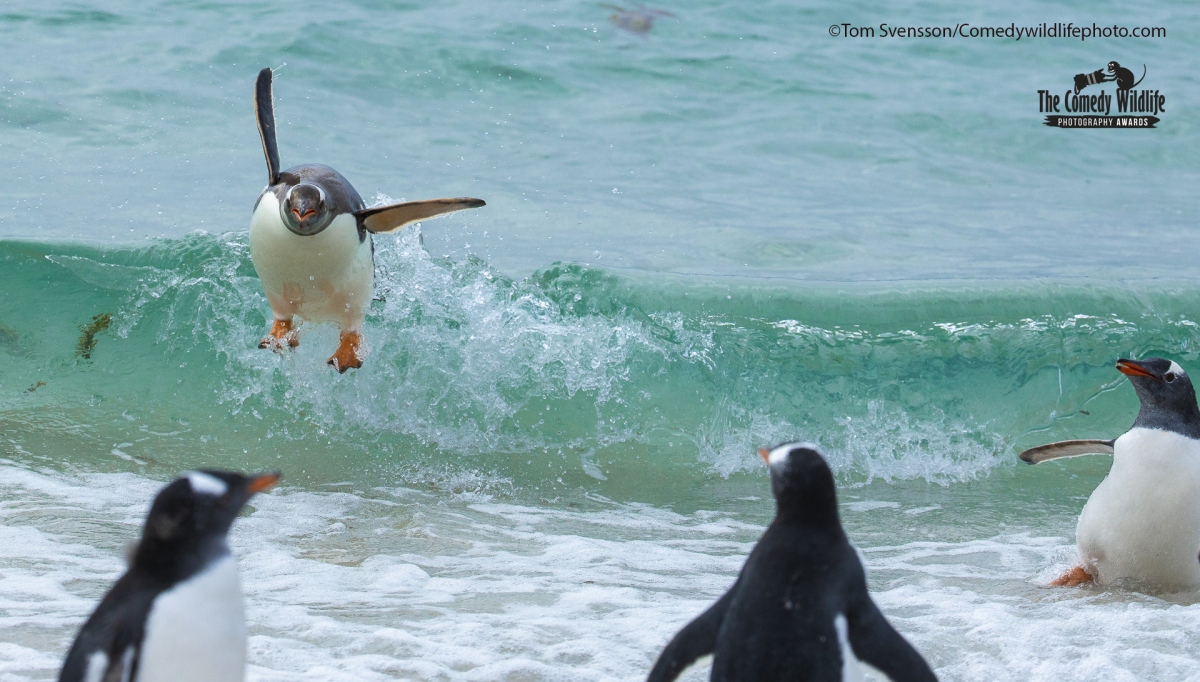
x: 799, y: 609
x: 1143, y: 521
x: 310, y: 240
x: 177, y: 613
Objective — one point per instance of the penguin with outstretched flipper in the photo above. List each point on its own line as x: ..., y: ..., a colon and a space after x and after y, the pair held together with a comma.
x: 310, y: 241
x: 1142, y: 523
x: 799, y: 609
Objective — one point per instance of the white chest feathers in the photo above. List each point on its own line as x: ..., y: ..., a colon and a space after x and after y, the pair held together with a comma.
x: 1143, y: 520
x: 325, y: 277
x: 851, y: 671
x: 196, y: 631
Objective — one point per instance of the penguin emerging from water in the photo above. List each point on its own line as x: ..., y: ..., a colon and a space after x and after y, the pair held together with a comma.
x: 1143, y: 521
x: 177, y: 613
x: 310, y: 240
x: 799, y: 609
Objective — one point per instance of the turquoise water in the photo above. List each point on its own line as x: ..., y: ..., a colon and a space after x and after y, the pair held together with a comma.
x: 732, y: 231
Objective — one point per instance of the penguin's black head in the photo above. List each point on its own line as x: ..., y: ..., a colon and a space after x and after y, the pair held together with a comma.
x: 1113, y: 66
x: 305, y: 210
x: 1166, y: 394
x: 801, y: 481
x: 194, y: 512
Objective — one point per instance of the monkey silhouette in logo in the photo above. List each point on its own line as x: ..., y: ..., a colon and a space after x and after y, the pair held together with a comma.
x: 1122, y: 76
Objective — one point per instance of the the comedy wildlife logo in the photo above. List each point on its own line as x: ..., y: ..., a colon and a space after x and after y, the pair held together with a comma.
x: 1094, y: 108
x: 1114, y: 72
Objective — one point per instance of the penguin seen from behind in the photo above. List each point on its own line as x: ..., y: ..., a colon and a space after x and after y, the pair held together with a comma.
x: 799, y: 609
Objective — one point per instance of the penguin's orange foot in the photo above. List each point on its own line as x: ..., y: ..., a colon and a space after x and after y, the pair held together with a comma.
x: 283, y: 334
x: 349, y: 354
x: 1073, y: 578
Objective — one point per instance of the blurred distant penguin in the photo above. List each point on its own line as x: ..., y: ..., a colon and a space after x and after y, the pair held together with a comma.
x: 310, y: 240
x: 177, y: 614
x: 1143, y: 521
x: 799, y: 609
x: 638, y: 20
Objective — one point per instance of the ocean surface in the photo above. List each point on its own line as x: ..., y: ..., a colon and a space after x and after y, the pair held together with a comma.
x: 728, y: 232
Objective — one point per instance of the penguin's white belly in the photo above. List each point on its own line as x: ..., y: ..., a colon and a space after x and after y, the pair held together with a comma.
x: 196, y: 631
x: 1143, y: 520
x: 325, y: 277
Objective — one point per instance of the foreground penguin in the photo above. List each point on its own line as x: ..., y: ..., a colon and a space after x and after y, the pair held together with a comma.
x: 800, y: 608
x: 310, y: 240
x: 1143, y: 521
x: 177, y: 614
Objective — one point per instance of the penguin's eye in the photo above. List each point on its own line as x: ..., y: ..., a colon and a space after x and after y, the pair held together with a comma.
x: 1169, y: 377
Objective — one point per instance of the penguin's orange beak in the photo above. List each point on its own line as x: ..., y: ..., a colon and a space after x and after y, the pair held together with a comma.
x: 305, y: 215
x: 765, y: 454
x: 263, y: 482
x: 1133, y: 369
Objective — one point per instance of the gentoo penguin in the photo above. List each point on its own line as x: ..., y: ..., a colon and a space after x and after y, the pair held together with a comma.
x: 310, y: 240
x: 799, y: 609
x: 1143, y: 521
x: 177, y: 614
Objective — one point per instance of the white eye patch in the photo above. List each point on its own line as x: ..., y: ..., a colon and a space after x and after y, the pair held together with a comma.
x: 1177, y: 369
x: 206, y: 484
x: 780, y: 453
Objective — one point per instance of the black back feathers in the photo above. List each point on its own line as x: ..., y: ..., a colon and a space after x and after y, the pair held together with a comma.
x: 800, y: 608
x: 264, y: 109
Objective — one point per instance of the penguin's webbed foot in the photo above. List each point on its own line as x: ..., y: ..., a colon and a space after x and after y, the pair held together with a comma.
x: 349, y: 353
x: 283, y: 336
x: 1073, y: 578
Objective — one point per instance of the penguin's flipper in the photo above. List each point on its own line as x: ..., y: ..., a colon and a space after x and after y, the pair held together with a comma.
x: 97, y: 656
x: 877, y: 643
x: 1067, y: 448
x: 698, y: 638
x: 98, y: 666
x: 264, y: 110
x: 396, y: 216
x: 107, y: 646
